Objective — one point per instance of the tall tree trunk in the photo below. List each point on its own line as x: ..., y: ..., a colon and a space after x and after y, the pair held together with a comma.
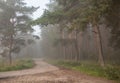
x: 63, y: 46
x: 72, y: 52
x: 99, y: 44
x: 70, y: 46
x: 80, y: 45
x: 77, y: 47
x: 10, y: 49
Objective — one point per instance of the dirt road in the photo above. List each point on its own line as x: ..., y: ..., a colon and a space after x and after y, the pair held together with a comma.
x: 46, y: 73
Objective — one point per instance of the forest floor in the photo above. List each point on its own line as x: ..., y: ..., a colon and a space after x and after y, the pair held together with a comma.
x: 46, y: 73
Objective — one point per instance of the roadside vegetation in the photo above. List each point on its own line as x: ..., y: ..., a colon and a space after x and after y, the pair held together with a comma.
x: 108, y: 72
x: 17, y: 65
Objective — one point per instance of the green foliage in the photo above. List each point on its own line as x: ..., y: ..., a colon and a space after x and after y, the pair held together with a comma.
x: 14, y: 21
x: 113, y: 21
x: 79, y: 13
x: 49, y: 18
x: 17, y: 65
x: 112, y: 73
x: 108, y: 72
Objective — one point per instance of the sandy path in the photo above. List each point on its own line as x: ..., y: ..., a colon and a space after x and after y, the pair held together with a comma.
x: 46, y: 73
x: 40, y: 67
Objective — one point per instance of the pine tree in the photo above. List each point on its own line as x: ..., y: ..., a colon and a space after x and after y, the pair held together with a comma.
x: 14, y: 21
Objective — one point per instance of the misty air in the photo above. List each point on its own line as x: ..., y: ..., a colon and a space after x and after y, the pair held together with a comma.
x: 59, y: 41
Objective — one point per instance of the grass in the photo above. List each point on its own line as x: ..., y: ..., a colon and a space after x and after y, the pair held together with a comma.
x: 17, y: 65
x: 109, y: 72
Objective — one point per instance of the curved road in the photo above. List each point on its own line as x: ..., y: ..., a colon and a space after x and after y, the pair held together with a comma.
x: 46, y: 73
x: 40, y: 67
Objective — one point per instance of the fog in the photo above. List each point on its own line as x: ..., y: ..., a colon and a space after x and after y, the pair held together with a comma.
x: 60, y: 30
x: 59, y: 41
x: 31, y: 51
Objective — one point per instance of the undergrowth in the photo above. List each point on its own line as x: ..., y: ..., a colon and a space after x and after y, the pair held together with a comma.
x: 17, y: 65
x: 109, y: 72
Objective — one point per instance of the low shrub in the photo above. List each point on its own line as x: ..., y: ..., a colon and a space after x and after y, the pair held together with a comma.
x: 18, y: 65
x: 109, y: 72
x: 112, y: 73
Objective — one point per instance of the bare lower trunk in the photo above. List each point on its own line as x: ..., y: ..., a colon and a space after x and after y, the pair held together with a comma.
x: 77, y: 47
x: 99, y: 43
x: 70, y: 46
x: 10, y: 49
x: 64, y: 47
x: 10, y: 57
x: 64, y: 52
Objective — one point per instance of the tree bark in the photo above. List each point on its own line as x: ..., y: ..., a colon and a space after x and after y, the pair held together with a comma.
x: 99, y: 44
x: 70, y: 47
x: 77, y: 47
x: 10, y: 49
x: 64, y: 48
